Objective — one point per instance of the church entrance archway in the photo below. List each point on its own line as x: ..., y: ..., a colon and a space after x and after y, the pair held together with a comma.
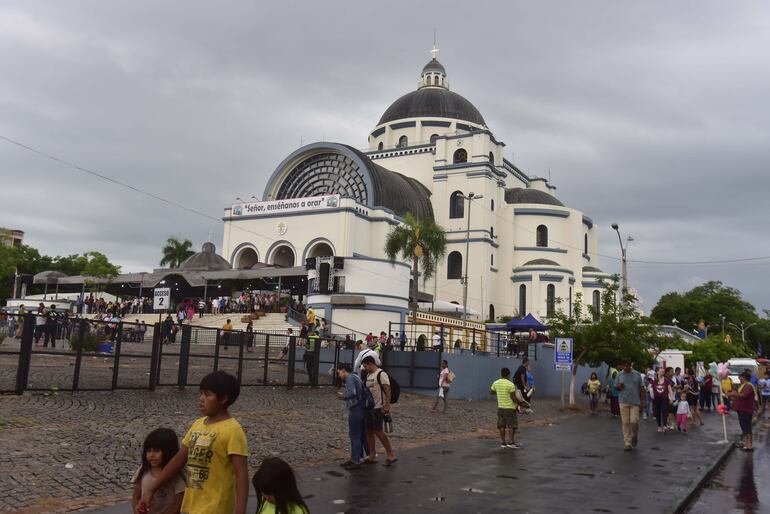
x: 247, y: 258
x: 320, y: 249
x: 283, y: 256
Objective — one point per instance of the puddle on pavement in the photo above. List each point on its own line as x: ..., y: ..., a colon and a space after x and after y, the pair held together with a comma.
x: 335, y: 474
x: 589, y: 475
x: 507, y: 476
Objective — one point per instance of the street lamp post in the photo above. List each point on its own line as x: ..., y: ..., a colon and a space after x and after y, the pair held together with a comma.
x: 469, y: 199
x: 623, y: 253
x: 743, y: 328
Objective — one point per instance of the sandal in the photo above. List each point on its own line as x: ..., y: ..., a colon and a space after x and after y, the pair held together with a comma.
x: 368, y: 461
x: 390, y: 462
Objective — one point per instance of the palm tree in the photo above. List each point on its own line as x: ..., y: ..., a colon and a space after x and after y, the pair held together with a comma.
x: 422, y: 242
x: 175, y: 252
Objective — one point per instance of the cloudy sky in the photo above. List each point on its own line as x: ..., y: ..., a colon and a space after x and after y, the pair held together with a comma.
x: 653, y: 115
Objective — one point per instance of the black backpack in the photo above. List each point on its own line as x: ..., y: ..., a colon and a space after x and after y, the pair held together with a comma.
x: 395, y: 389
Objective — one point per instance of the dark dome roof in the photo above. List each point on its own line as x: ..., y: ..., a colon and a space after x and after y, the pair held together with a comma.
x: 521, y: 195
x: 433, y: 102
x: 434, y: 65
x: 397, y: 192
x: 541, y: 262
x: 591, y: 269
x: 205, y: 260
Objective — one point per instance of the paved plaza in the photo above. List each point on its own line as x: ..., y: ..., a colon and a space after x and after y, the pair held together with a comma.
x: 74, y: 451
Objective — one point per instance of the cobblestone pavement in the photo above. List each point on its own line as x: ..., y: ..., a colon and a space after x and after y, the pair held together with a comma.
x: 69, y: 452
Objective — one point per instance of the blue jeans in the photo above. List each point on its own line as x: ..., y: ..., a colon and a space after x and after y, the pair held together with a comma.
x: 356, y: 433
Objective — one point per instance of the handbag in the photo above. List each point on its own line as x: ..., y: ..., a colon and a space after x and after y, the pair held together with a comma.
x: 450, y: 377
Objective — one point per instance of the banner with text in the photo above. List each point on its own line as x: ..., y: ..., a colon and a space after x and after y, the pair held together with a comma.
x: 311, y: 203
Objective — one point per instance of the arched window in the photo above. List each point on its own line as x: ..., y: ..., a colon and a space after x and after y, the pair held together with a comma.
x: 522, y: 300
x: 597, y: 300
x: 542, y: 236
x: 585, y: 244
x: 492, y: 205
x: 456, y: 205
x: 430, y: 80
x: 491, y: 157
x: 460, y: 156
x: 491, y: 313
x: 454, y: 265
x: 380, y: 146
x: 550, y: 301
x: 433, y: 138
x: 403, y: 142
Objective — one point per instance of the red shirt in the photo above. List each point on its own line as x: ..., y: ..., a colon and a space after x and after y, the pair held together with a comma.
x: 744, y: 402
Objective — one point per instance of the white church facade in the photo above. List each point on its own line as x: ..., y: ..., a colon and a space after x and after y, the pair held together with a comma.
x: 429, y: 151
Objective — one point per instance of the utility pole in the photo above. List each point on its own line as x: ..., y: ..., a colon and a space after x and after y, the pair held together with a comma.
x: 469, y: 200
x: 623, y: 254
x: 743, y: 328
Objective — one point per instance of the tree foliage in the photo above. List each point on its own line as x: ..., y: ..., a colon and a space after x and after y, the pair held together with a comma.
x: 715, y: 349
x: 619, y: 331
x: 709, y: 302
x: 175, y: 252
x: 421, y: 242
x: 29, y: 261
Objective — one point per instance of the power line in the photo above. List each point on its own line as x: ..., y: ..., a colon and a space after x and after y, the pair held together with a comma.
x: 173, y: 203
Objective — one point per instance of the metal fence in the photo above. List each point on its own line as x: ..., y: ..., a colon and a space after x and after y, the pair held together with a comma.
x: 80, y: 354
x: 447, y: 338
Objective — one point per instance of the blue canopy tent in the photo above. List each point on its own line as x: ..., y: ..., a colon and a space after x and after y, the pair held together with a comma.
x: 524, y: 324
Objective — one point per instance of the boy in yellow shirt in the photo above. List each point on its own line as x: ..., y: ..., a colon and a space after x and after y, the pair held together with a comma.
x: 215, y: 453
x: 507, y: 398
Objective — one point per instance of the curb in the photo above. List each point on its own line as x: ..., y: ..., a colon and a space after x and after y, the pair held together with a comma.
x: 691, y: 493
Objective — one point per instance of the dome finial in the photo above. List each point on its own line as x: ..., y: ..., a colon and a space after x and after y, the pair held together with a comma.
x: 434, y: 50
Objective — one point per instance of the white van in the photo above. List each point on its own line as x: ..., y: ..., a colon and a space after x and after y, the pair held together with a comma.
x: 739, y: 365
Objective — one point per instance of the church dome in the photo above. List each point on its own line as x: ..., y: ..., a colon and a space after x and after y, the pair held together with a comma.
x: 434, y: 65
x: 522, y: 195
x: 205, y: 260
x: 433, y: 99
x: 432, y: 102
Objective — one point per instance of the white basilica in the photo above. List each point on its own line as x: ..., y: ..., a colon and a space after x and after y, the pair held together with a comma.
x: 430, y: 149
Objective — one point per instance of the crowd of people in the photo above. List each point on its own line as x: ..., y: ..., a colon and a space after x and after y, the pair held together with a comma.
x: 676, y: 399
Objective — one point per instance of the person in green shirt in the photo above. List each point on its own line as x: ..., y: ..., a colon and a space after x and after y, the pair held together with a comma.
x: 276, y: 488
x: 507, y: 398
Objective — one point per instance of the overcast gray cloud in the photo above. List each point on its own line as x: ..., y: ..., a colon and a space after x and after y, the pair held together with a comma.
x: 650, y: 114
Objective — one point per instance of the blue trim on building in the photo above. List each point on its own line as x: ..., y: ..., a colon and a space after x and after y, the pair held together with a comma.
x: 317, y: 213
x: 571, y: 280
x: 532, y: 268
x: 551, y: 278
x: 436, y: 123
x: 537, y: 211
x: 588, y: 221
x: 521, y: 278
x: 403, y: 124
x: 359, y: 257
x: 394, y: 297
x: 493, y: 269
x: 463, y: 165
x: 538, y: 249
x: 380, y: 131
x: 587, y: 257
x: 474, y: 240
x: 597, y: 285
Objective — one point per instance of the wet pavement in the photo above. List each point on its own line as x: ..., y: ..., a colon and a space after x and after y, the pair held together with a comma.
x: 742, y: 484
x: 574, y: 465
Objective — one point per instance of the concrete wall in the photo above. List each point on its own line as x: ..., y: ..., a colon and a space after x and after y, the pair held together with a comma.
x: 476, y: 373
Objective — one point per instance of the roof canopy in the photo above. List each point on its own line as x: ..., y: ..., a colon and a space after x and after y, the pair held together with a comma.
x: 526, y: 323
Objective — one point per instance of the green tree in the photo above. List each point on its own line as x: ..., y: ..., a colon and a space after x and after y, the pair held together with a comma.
x: 423, y: 243
x: 99, y: 270
x: 619, y: 332
x: 175, y: 252
x: 715, y: 349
